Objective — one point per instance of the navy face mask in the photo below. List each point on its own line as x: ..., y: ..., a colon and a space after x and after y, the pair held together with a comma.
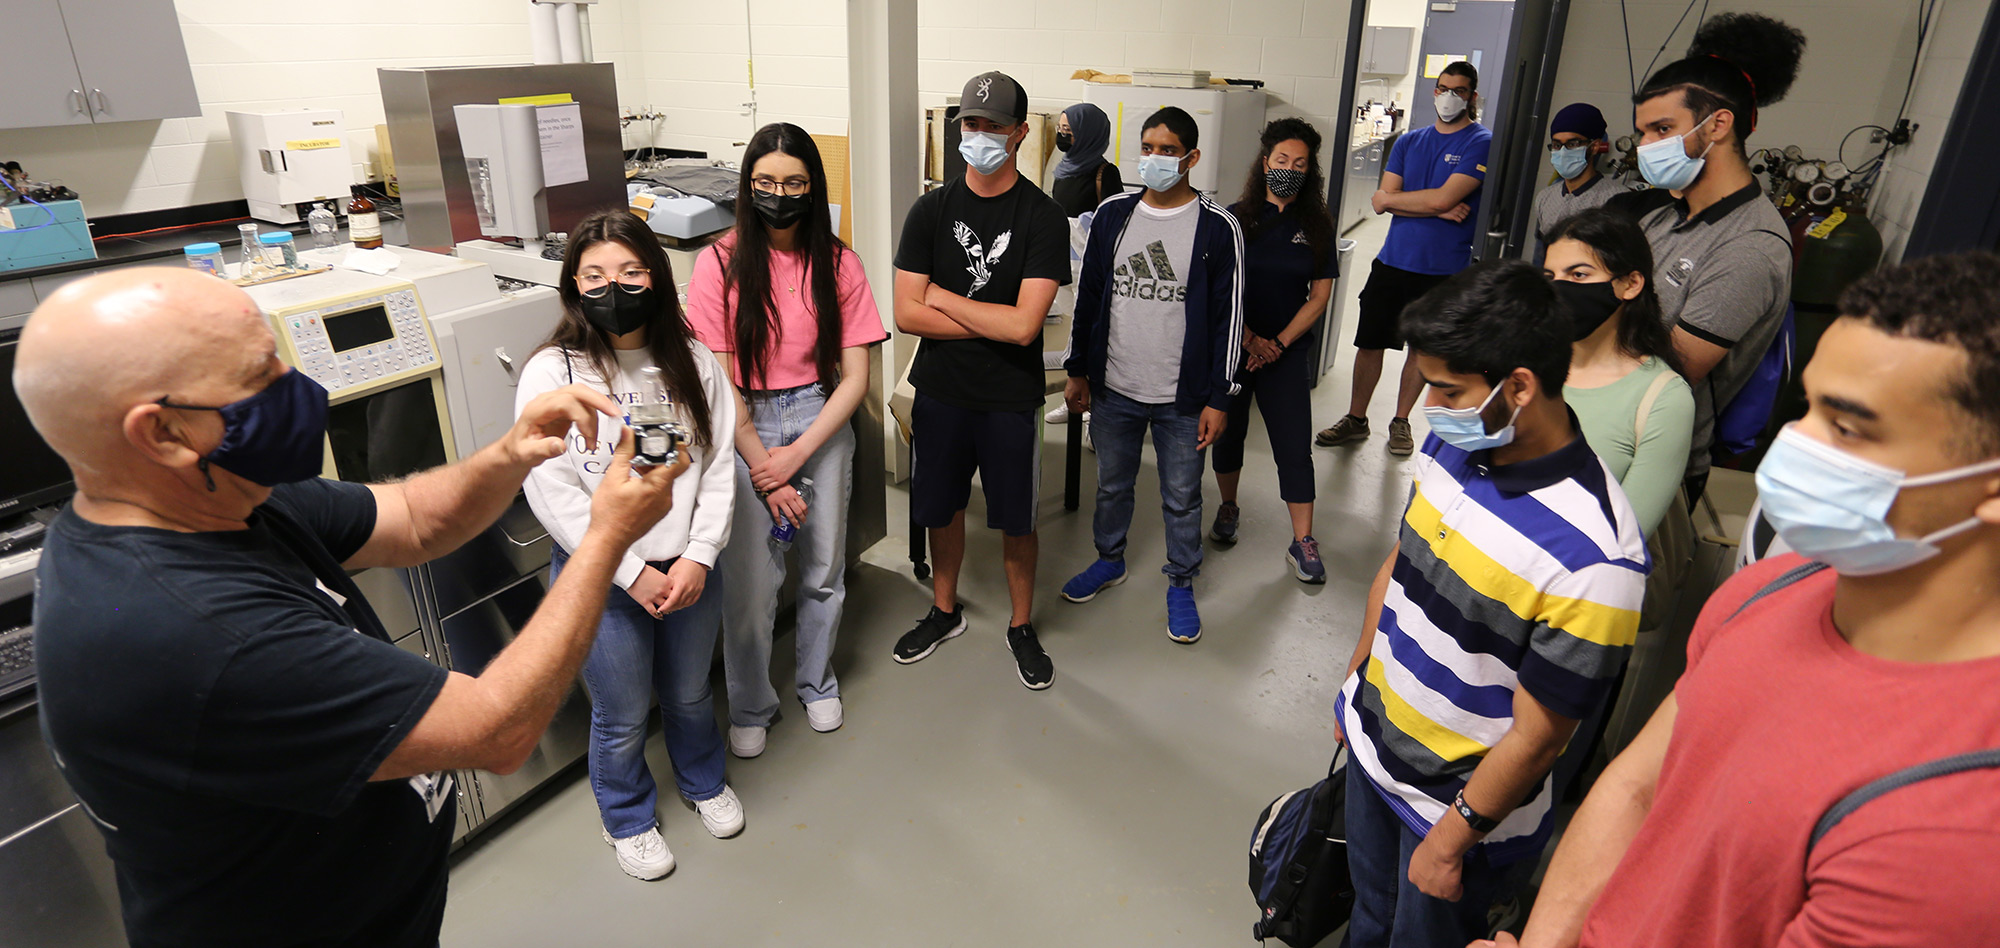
x: 273, y: 437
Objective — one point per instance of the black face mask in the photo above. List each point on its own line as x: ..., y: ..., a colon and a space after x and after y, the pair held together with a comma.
x: 618, y: 311
x: 780, y: 210
x: 1284, y: 182
x: 1064, y: 140
x: 1590, y: 304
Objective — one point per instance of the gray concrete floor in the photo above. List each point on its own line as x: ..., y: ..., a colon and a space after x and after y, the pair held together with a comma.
x: 958, y: 808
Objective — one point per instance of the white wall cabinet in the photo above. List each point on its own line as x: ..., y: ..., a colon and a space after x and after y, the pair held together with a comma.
x: 77, y: 62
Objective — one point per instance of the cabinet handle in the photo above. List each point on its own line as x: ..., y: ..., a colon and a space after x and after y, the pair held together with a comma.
x: 103, y: 104
x: 77, y: 99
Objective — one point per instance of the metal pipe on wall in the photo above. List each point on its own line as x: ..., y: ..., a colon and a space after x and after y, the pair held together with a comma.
x: 542, y: 33
x: 569, y: 32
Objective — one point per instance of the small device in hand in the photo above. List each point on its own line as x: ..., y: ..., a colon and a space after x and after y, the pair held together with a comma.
x: 657, y: 435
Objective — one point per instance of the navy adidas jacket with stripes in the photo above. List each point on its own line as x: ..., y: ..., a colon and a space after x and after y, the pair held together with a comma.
x: 1212, y: 351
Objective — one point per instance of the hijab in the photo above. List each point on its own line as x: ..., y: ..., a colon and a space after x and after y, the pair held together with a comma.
x: 1090, y: 132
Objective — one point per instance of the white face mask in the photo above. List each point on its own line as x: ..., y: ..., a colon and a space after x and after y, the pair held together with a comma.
x: 1450, y: 106
x: 1831, y: 506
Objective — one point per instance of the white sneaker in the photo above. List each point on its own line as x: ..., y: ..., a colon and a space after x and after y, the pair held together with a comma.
x: 1057, y: 415
x: 746, y: 742
x: 1086, y: 434
x: 644, y: 856
x: 824, y: 714
x: 722, y: 813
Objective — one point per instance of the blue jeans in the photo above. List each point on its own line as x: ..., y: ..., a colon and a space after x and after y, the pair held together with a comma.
x: 1389, y: 910
x: 636, y: 655
x: 755, y: 567
x: 1117, y: 428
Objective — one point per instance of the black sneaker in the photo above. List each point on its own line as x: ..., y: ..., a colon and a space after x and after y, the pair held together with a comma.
x: 1037, y: 671
x: 918, y: 643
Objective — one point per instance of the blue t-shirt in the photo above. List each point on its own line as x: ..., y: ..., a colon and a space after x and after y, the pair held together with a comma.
x: 1425, y: 158
x: 1279, y: 268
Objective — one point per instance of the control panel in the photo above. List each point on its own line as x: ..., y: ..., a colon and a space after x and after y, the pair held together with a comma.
x: 359, y: 341
x: 351, y: 331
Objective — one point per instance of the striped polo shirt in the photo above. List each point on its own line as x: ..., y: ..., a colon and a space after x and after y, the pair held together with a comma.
x: 1522, y: 575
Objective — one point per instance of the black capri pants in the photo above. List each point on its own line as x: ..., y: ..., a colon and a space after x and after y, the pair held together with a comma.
x: 1283, y: 391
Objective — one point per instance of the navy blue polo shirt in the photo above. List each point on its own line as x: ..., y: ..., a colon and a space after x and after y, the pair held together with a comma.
x: 1278, y: 270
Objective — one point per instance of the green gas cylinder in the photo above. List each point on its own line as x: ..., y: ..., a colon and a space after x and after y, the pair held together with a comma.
x: 1836, y: 246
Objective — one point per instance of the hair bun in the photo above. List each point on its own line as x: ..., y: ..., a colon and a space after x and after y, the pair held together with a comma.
x: 1765, y: 49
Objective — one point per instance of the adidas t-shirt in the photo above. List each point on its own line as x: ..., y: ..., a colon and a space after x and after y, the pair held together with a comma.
x: 1148, y: 291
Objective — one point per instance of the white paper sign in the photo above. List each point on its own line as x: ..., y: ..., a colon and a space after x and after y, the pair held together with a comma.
x: 562, y: 144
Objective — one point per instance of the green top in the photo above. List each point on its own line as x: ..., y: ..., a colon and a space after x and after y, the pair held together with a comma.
x: 1652, y: 470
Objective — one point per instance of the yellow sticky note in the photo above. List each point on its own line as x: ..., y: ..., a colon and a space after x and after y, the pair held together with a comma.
x: 311, y: 144
x: 554, y: 98
x: 1434, y: 63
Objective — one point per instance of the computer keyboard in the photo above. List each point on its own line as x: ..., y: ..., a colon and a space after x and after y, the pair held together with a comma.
x: 17, y: 660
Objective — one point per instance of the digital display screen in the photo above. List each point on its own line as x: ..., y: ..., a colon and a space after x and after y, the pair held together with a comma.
x: 356, y: 328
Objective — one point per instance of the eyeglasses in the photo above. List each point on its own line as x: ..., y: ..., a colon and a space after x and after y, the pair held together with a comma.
x: 1564, y: 146
x: 595, y: 284
x: 790, y: 187
x: 1465, y: 94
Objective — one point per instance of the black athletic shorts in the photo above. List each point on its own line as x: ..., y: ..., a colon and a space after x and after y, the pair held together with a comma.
x: 1389, y: 289
x: 948, y: 443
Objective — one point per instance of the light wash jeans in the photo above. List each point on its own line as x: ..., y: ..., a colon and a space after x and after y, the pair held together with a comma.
x: 636, y: 655
x: 1117, y: 428
x: 755, y: 567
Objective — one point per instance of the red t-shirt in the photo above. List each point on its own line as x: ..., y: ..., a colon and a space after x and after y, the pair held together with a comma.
x: 1779, y: 718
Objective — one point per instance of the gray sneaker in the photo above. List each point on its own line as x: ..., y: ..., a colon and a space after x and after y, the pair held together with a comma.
x: 1347, y: 430
x: 1400, y: 442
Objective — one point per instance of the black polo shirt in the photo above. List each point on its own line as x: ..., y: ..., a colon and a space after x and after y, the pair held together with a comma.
x: 1278, y: 268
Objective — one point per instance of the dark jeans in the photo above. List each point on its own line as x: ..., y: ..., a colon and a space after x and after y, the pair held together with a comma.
x: 1389, y: 910
x: 1117, y: 428
x: 1283, y: 391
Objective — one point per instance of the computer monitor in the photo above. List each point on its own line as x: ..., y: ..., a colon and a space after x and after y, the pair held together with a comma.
x: 32, y: 475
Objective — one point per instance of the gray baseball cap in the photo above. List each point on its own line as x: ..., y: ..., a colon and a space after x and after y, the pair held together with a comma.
x: 995, y: 96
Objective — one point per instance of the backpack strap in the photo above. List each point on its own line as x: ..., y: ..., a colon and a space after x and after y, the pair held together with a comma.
x: 1977, y: 760
x: 1790, y: 576
x: 1646, y: 407
x: 1278, y: 911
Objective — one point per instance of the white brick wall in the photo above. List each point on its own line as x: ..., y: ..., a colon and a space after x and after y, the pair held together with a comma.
x: 686, y: 58
x: 287, y: 55
x: 1947, y: 54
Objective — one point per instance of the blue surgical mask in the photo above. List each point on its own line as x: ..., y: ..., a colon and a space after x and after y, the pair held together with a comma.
x: 1665, y: 163
x: 1464, y: 429
x: 1570, y: 162
x: 984, y: 151
x: 1160, y: 172
x: 1831, y: 506
x: 273, y: 437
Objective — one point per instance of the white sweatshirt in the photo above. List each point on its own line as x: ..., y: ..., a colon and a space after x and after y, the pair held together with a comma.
x: 559, y: 489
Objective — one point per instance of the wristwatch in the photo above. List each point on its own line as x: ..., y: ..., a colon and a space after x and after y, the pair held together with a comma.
x: 1472, y: 818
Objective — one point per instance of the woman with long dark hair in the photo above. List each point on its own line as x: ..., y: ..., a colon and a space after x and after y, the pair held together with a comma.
x: 1288, y: 253
x: 787, y: 308
x: 1624, y: 358
x: 621, y: 317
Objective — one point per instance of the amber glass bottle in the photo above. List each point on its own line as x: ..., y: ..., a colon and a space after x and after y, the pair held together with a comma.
x: 364, y: 226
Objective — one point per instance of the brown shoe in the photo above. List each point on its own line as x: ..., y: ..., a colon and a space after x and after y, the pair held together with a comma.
x: 1347, y: 430
x: 1400, y: 442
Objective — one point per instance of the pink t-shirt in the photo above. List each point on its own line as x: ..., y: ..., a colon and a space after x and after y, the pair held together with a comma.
x: 712, y: 312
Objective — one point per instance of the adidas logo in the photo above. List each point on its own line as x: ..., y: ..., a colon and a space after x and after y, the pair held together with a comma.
x: 1161, y: 283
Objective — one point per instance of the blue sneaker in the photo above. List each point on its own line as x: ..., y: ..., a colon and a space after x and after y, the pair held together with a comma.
x: 1183, y: 622
x: 1084, y: 586
x: 1303, y: 557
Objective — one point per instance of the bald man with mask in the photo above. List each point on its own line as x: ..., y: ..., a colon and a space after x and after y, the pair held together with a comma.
x: 266, y: 768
